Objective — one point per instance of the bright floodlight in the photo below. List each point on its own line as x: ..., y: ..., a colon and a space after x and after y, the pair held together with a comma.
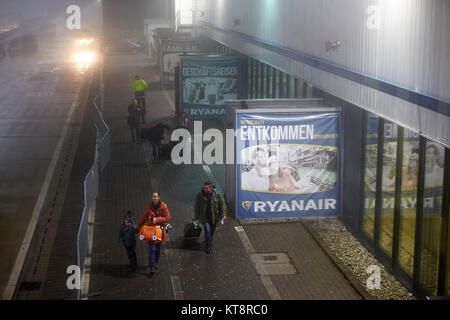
x: 84, y: 41
x: 86, y: 57
x: 84, y: 60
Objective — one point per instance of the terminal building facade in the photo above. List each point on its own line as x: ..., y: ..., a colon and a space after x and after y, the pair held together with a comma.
x: 386, y: 65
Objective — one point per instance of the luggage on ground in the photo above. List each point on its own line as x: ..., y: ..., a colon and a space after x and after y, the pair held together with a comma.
x: 190, y: 231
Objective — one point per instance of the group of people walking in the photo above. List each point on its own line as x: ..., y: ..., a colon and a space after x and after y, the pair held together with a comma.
x: 156, y: 133
x: 209, y: 210
x: 156, y: 214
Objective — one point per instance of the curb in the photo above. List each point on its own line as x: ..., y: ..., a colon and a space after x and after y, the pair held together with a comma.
x: 336, y: 261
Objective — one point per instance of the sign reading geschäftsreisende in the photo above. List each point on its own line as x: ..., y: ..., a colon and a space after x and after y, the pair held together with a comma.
x: 287, y: 164
x: 206, y: 82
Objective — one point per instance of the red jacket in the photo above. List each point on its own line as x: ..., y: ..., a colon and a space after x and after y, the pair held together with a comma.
x: 162, y: 216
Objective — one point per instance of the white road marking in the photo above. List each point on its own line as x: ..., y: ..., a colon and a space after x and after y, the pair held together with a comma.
x: 270, y: 287
x: 168, y: 252
x: 245, y: 240
x: 266, y: 280
x: 172, y: 104
x: 176, y: 286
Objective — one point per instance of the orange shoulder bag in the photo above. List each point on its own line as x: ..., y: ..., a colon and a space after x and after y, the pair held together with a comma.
x: 152, y: 234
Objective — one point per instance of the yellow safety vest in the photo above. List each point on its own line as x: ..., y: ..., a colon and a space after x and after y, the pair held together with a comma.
x: 139, y: 85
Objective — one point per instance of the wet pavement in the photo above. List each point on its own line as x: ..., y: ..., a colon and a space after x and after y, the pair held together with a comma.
x: 262, y: 261
x: 248, y: 262
x: 37, y: 94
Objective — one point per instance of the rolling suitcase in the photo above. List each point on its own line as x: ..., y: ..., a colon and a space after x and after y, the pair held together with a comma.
x: 191, y: 232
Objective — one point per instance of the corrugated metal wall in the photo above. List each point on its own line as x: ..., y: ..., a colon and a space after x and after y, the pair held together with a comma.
x: 404, y: 42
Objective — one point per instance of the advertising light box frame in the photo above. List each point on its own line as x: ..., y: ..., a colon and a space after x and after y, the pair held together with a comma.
x: 203, y: 96
x: 279, y: 107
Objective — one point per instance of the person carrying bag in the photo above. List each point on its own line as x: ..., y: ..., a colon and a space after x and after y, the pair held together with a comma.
x: 209, y: 209
x: 154, y: 224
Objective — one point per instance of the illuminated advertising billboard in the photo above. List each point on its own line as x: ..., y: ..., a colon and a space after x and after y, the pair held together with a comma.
x: 287, y: 164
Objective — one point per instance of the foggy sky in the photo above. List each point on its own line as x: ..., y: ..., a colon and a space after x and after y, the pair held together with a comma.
x: 116, y: 16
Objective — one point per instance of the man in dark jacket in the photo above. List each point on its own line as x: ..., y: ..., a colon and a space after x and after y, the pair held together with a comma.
x: 134, y: 121
x: 210, y: 208
x: 127, y: 236
x: 155, y: 136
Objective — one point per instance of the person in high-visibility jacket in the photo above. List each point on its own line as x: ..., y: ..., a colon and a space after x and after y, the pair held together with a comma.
x: 139, y: 86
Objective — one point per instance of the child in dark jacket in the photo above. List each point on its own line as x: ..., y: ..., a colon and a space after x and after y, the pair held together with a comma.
x: 127, y: 235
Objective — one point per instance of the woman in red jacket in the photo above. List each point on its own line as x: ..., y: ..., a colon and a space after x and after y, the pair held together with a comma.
x: 156, y: 213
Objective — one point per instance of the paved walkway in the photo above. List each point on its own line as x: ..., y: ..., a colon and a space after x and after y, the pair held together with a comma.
x: 259, y: 261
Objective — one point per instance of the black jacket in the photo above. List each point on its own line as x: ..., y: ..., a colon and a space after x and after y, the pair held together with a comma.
x: 156, y: 133
x: 127, y: 235
x: 134, y: 115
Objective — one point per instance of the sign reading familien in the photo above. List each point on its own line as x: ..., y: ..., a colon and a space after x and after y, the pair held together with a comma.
x: 171, y: 49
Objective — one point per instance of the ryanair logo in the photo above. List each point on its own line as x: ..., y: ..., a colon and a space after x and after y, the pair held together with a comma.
x: 294, y: 205
x: 246, y: 205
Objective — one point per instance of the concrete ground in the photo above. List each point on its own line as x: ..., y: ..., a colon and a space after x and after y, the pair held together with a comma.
x: 248, y: 262
x: 37, y: 94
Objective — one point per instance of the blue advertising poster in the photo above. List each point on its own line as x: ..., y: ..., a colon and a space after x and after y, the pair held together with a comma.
x: 206, y: 82
x: 172, y: 48
x: 287, y: 164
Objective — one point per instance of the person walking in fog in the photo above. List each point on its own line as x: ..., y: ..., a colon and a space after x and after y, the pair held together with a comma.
x: 156, y: 134
x: 127, y: 235
x: 139, y: 86
x: 156, y: 214
x: 134, y: 121
x: 210, y: 208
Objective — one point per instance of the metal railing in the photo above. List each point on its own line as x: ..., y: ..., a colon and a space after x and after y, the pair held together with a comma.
x: 92, y: 180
